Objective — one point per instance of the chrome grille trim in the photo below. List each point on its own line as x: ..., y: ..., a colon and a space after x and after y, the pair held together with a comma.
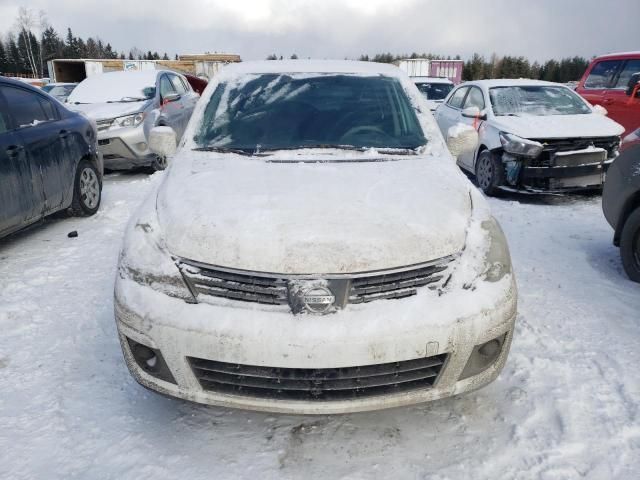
x: 274, y: 288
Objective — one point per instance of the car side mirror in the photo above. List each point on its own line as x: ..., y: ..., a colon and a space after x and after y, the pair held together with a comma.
x: 162, y: 141
x: 462, y: 138
x: 600, y: 110
x: 474, y: 112
x: 171, y: 97
x: 634, y: 84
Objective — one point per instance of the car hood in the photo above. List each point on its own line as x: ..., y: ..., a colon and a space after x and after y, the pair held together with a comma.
x: 104, y: 111
x: 313, y: 218
x: 558, y: 126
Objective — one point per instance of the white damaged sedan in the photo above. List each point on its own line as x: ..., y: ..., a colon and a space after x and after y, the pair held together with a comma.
x: 313, y: 248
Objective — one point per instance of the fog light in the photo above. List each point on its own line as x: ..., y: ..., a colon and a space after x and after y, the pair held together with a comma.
x: 151, y: 361
x: 483, y: 356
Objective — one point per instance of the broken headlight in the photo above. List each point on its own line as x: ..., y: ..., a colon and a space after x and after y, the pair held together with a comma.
x: 520, y: 146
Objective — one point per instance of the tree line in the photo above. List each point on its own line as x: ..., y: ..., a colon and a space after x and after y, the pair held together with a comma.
x: 26, y: 49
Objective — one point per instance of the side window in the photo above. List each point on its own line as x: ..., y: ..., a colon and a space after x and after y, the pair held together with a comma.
x: 631, y: 67
x: 178, y: 85
x: 24, y: 107
x: 49, y: 109
x: 166, y: 87
x: 475, y: 99
x: 602, y: 74
x: 458, y: 96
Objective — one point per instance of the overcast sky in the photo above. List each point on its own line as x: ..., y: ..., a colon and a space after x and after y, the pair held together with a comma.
x: 537, y: 29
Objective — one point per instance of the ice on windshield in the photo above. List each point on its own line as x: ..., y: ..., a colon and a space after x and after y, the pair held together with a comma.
x: 536, y: 100
x: 281, y: 111
x: 115, y: 87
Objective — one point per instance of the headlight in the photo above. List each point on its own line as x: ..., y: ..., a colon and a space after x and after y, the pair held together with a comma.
x: 129, y: 120
x: 144, y: 258
x: 520, y: 146
x: 497, y: 259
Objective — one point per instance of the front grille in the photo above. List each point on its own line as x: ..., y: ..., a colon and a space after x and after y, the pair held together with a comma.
x: 555, y: 145
x: 247, y: 288
x: 206, y: 282
x: 324, y: 384
x: 395, y: 285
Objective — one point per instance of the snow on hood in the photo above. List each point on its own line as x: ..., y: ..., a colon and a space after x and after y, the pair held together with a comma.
x: 304, y: 218
x: 113, y: 86
x: 103, y: 111
x: 558, y: 126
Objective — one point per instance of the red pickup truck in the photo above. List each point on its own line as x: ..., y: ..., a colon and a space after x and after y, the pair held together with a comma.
x: 613, y: 81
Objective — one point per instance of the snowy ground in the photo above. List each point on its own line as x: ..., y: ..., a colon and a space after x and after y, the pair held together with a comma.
x: 565, y: 407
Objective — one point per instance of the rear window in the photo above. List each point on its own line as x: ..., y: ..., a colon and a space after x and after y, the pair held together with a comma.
x: 280, y: 111
x: 434, y: 91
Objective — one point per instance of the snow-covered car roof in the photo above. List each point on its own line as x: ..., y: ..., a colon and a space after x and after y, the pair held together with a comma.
x: 431, y: 80
x: 313, y: 66
x: 619, y: 54
x: 512, y: 82
x: 114, y: 85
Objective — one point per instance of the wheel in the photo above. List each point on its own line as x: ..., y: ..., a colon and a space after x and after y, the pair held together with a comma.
x: 159, y: 163
x: 630, y: 245
x: 87, y: 190
x: 489, y: 172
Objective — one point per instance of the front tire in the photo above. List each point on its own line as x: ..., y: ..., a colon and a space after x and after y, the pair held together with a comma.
x: 489, y: 173
x: 630, y: 245
x: 159, y: 163
x: 87, y: 190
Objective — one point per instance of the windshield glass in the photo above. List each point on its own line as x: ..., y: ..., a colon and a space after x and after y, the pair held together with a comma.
x: 115, y: 87
x: 434, y: 91
x: 536, y: 100
x: 281, y: 111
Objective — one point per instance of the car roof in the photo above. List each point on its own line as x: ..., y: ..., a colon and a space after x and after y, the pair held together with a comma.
x: 313, y: 66
x: 432, y: 80
x: 622, y: 55
x: 11, y: 81
x: 148, y: 74
x: 512, y: 82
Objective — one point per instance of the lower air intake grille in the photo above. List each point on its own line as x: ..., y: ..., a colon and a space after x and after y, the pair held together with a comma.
x: 324, y: 384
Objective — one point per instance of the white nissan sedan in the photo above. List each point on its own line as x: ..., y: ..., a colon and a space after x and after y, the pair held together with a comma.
x: 313, y: 248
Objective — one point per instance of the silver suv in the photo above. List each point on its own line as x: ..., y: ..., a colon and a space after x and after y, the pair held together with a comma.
x: 127, y: 105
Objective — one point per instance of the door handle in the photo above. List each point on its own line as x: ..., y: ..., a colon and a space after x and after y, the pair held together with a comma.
x: 607, y: 101
x: 63, y: 133
x: 14, y: 150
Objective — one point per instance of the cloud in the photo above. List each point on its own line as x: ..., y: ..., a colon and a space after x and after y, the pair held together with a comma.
x: 538, y: 29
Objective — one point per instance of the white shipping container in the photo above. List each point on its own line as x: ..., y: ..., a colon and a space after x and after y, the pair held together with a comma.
x: 415, y: 67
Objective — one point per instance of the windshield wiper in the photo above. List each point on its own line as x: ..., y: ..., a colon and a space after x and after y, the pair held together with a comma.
x: 384, y: 150
x: 239, y: 151
x: 128, y: 100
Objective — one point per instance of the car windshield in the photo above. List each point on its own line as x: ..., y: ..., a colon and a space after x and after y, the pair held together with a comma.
x: 434, y: 91
x: 291, y: 111
x: 536, y: 100
x: 115, y: 87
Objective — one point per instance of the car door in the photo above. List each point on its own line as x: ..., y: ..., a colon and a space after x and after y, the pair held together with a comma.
x: 474, y: 98
x: 43, y: 137
x: 623, y: 108
x: 599, y: 81
x: 21, y: 195
x: 448, y: 114
x: 172, y: 110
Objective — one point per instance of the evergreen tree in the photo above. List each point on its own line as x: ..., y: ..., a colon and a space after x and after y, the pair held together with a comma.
x: 3, y: 59
x: 13, y: 56
x: 165, y: 56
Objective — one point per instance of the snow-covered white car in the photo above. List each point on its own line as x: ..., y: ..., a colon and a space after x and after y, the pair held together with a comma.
x: 534, y: 135
x: 127, y: 105
x: 313, y: 248
x: 434, y: 89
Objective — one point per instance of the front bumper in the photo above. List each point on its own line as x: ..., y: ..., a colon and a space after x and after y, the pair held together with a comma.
x: 565, y: 178
x: 364, y: 335
x: 124, y: 148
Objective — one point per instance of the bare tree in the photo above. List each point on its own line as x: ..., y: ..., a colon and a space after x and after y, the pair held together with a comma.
x: 26, y: 23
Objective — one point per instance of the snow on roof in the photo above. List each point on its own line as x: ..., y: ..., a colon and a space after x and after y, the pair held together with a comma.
x: 313, y: 66
x: 511, y: 82
x: 620, y: 54
x: 431, y: 80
